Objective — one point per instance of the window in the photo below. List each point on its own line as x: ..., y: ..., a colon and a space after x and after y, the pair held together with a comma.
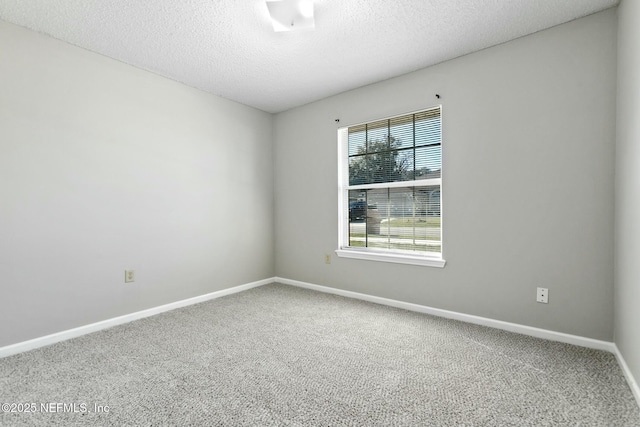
x: 390, y: 187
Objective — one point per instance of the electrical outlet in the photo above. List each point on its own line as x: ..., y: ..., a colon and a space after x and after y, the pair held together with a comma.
x: 129, y: 276
x: 327, y: 258
x: 543, y: 295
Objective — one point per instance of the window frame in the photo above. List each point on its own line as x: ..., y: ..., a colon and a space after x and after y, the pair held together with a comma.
x: 429, y: 259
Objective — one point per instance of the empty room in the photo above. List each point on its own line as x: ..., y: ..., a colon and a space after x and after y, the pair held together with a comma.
x: 320, y: 212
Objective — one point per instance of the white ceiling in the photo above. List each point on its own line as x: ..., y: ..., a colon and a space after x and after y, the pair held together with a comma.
x: 229, y: 48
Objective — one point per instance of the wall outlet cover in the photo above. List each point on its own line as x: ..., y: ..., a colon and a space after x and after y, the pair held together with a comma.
x: 129, y: 276
x: 543, y: 295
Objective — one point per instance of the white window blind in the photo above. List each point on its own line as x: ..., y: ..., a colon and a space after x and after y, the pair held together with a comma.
x: 391, y: 185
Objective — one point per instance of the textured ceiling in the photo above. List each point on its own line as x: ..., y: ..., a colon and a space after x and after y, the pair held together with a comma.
x: 229, y: 48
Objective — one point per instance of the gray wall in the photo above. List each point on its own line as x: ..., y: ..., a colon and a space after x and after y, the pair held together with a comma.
x: 105, y: 167
x: 627, y: 233
x: 528, y: 186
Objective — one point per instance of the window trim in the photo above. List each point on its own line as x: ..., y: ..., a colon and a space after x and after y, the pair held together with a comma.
x: 395, y: 257
x: 369, y: 254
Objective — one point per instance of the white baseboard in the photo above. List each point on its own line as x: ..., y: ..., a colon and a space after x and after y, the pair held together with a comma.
x: 498, y: 324
x: 93, y: 327
x: 633, y: 384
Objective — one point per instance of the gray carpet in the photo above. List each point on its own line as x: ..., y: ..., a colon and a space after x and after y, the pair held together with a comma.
x: 279, y: 355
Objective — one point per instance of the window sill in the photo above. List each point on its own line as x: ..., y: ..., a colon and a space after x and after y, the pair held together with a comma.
x: 396, y: 258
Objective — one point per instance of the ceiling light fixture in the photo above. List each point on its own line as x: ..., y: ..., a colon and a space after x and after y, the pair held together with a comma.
x: 290, y: 15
